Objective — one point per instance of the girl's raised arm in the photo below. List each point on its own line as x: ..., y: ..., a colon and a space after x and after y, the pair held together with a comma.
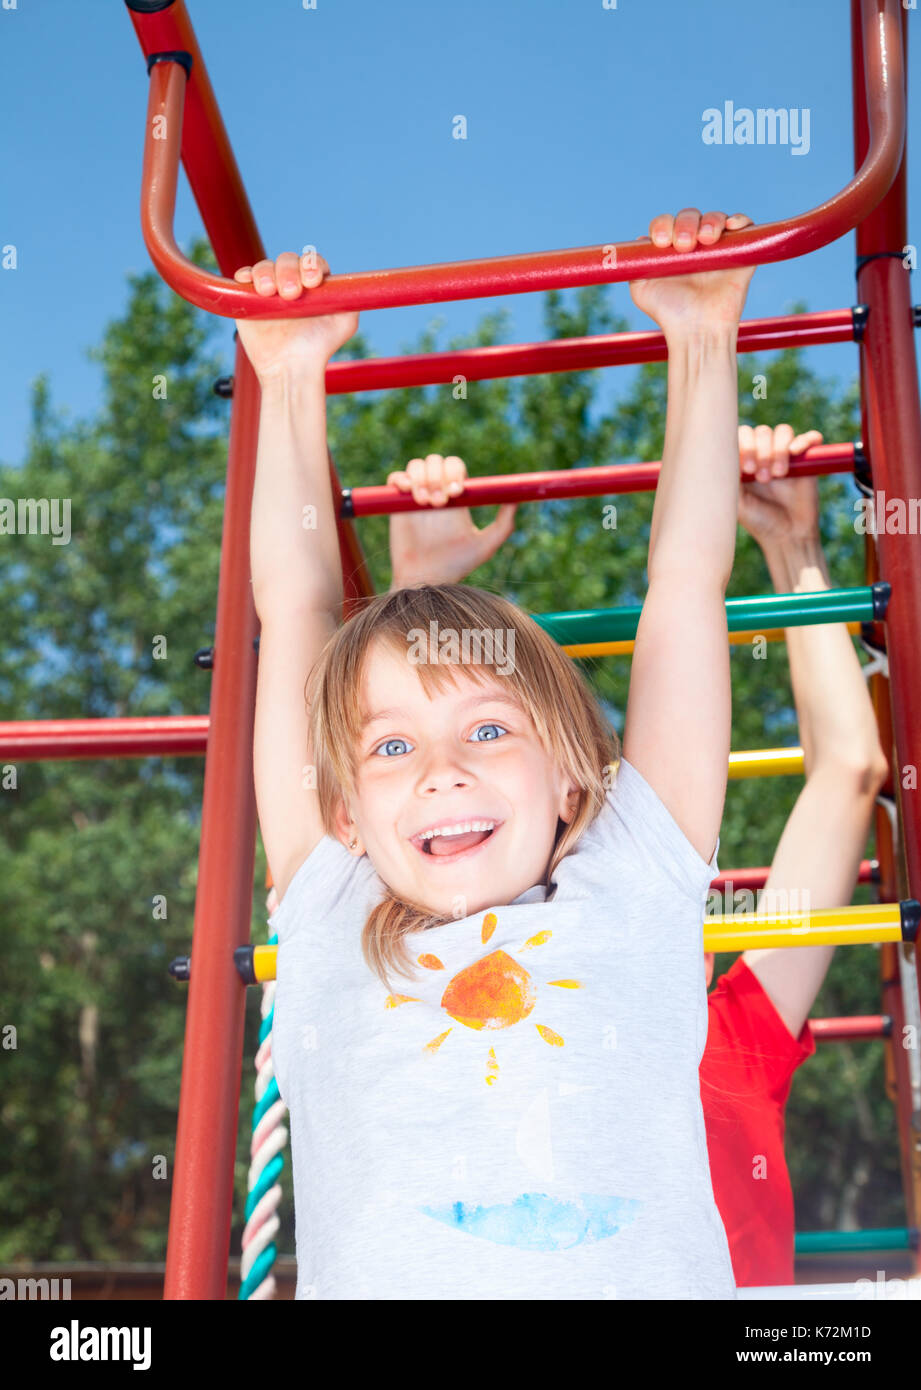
x: 817, y: 859
x: 294, y: 552
x: 678, y: 720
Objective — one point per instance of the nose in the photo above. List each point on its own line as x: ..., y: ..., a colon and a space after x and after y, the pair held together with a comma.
x: 443, y: 772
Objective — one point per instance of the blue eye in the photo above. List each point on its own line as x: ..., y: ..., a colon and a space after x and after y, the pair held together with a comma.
x: 387, y: 748
x: 492, y: 737
x: 389, y: 745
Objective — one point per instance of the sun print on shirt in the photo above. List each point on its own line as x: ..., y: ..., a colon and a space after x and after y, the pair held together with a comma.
x: 495, y: 992
x: 498, y: 992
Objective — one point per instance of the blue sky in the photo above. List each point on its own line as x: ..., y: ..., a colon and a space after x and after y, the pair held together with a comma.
x: 583, y: 122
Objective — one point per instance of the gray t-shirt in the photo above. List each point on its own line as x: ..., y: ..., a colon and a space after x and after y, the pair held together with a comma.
x: 522, y: 1119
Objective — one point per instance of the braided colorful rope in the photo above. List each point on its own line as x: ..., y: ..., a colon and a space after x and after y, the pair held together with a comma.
x: 270, y: 1135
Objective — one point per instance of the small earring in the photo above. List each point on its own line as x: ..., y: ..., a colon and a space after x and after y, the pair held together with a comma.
x: 352, y: 844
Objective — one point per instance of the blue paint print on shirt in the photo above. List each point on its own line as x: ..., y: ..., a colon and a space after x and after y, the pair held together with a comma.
x: 535, y: 1221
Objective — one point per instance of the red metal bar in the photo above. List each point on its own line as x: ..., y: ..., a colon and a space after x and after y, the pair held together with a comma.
x: 203, y: 1169
x: 201, y: 138
x: 200, y: 1213
x: 162, y: 736
x: 892, y: 886
x: 734, y: 879
x: 574, y: 354
x: 587, y: 265
x: 573, y: 482
x: 847, y: 1029
x: 196, y: 132
x: 893, y: 440
x: 356, y: 580
x: 891, y: 428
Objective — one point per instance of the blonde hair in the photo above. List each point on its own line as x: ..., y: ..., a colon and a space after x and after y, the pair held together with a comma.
x: 550, y: 688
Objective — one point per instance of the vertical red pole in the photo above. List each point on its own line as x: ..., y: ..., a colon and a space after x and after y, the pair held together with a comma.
x: 892, y: 888
x: 202, y: 1190
x: 206, y: 1137
x: 891, y: 424
x: 892, y: 433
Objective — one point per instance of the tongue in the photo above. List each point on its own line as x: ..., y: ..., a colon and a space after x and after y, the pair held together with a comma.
x: 453, y: 844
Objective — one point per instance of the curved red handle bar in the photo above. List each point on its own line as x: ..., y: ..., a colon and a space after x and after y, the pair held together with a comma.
x: 544, y: 270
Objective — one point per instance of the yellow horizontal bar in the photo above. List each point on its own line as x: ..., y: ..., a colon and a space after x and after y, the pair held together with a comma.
x: 765, y: 762
x: 835, y: 926
x: 600, y: 648
x: 264, y: 959
x: 773, y: 634
x: 838, y: 926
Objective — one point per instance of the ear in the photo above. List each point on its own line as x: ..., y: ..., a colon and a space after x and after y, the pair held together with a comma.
x: 568, y: 803
x: 346, y: 830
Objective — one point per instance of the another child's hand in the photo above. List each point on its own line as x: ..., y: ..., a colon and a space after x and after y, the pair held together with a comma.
x: 443, y: 546
x: 784, y: 508
x: 688, y: 304
x: 277, y: 346
x: 271, y: 902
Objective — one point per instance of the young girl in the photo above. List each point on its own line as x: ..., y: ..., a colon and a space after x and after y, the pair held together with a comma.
x: 490, y: 1007
x: 758, y: 1031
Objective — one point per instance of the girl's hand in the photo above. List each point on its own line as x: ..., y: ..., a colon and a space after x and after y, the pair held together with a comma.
x: 440, y: 549
x: 277, y: 346
x: 785, y: 508
x: 688, y: 304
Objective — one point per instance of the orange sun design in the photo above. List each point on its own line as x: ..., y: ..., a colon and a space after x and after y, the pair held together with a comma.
x: 495, y: 992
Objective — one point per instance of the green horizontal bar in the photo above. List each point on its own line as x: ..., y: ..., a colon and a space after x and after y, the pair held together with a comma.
x: 824, y: 1242
x: 742, y: 615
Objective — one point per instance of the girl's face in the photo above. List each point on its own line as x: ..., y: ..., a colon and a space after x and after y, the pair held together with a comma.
x: 468, y: 757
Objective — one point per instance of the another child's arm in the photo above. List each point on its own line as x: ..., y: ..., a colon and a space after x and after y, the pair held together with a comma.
x: 296, y: 570
x: 678, y: 719
x: 818, y: 855
x: 440, y: 545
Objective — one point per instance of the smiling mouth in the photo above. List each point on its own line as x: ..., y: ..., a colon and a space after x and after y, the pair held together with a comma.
x: 453, y: 847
